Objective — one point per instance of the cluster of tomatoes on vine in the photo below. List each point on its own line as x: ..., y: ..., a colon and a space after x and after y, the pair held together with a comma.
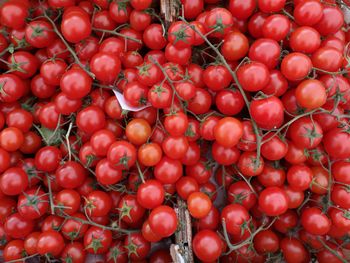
x: 239, y: 108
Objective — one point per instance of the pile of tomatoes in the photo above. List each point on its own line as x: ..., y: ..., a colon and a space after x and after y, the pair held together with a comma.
x: 240, y: 112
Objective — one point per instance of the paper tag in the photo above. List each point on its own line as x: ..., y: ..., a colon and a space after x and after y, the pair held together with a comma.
x: 125, y: 105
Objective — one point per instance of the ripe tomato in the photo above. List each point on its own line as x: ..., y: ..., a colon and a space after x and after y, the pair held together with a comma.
x: 150, y: 194
x: 308, y: 13
x: 311, y: 94
x: 138, y: 131
x: 199, y: 204
x: 336, y: 143
x: 14, y: 250
x: 69, y: 200
x: 219, y: 20
x: 293, y: 250
x: 217, y: 77
x: 305, y: 39
x: 13, y: 14
x: 273, y: 201
x: 314, y: 221
x: 266, y: 241
x: 48, y: 158
x: 253, y: 76
x: 236, y: 218
x: 207, y: 245
x: 91, y: 119
x: 306, y: 133
x: 33, y: 203
x: 168, y: 171
x: 267, y: 112
x: 17, y: 226
x: 70, y: 175
x: 276, y: 27
x: 296, y: 66
x: 249, y: 164
x: 153, y: 37
x: 12, y: 88
x: 163, y: 221
x: 13, y: 181
x: 228, y: 131
x: 50, y: 242
x: 106, y: 67
x: 97, y: 240
x: 74, y: 252
x: 299, y: 177
x: 75, y: 83
x: 136, y: 246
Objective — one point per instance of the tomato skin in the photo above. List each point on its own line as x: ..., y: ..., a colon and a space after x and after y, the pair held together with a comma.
x: 336, y: 143
x: 275, y: 148
x: 266, y: 241
x: 266, y: 51
x: 73, y: 251
x: 104, y: 237
x: 106, y: 67
x: 25, y: 201
x: 70, y: 175
x: 75, y: 83
x: 242, y: 9
x: 225, y: 155
x: 12, y: 88
x: 217, y: 77
x: 331, y: 21
x: 311, y: 94
x: 273, y: 201
x: 249, y: 164
x: 308, y: 13
x: 228, y: 131
x: 268, y: 113
x: 207, y: 245
x: 13, y: 14
x: 271, y: 175
x: 122, y: 155
x: 315, y: 222
x: 253, y: 76
x: 293, y: 250
x: 235, y: 46
x: 305, y: 39
x: 341, y: 171
x: 268, y: 6
x: 299, y: 177
x: 199, y: 204
x: 106, y: 173
x: 70, y: 199
x: 13, y: 181
x: 98, y: 203
x: 163, y: 221
x: 325, y: 255
x: 168, y: 171
x: 229, y: 102
x: 13, y: 250
x: 138, y: 131
x: 50, y: 242
x: 296, y: 66
x: 17, y: 226
x: 340, y: 196
x: 143, y: 246
x: 306, y: 133
x: 327, y: 58
x: 47, y: 158
x: 136, y: 212
x: 11, y: 139
x: 153, y: 37
x: 150, y: 194
x: 201, y: 102
x: 235, y: 216
x: 276, y: 27
x: 240, y: 192
x: 91, y: 119
x: 177, y: 55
